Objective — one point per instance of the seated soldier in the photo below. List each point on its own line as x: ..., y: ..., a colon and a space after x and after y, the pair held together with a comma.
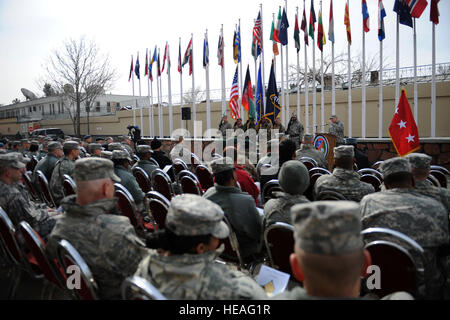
x: 122, y: 163
x: 62, y: 167
x: 401, y: 208
x: 47, y: 164
x: 15, y: 201
x: 420, y: 168
x: 144, y: 152
x: 294, y: 180
x: 344, y: 179
x: 107, y: 242
x: 184, y: 265
x: 329, y: 253
x: 239, y: 208
x: 95, y: 149
x: 161, y: 157
x: 307, y: 149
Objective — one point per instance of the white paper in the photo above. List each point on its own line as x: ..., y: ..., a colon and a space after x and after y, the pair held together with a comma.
x: 269, y: 277
x: 260, y: 211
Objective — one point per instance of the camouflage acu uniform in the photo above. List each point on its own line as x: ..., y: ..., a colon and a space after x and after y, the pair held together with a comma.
x: 308, y: 150
x: 265, y: 126
x: 197, y: 276
x: 127, y: 147
x: 62, y: 167
x: 45, y: 165
x: 145, y: 165
x: 281, y: 128
x: 130, y: 183
x: 223, y: 127
x: 440, y: 194
x: 337, y: 129
x: 295, y: 131
x: 345, y: 182
x: 107, y: 242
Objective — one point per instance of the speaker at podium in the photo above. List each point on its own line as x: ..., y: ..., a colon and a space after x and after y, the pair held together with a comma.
x: 186, y: 113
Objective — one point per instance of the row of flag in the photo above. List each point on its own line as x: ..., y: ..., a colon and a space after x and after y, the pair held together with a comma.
x: 405, y: 9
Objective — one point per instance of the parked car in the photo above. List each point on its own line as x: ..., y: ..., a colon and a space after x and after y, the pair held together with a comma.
x: 48, y: 132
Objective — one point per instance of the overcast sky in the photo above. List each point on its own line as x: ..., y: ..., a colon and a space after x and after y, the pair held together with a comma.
x: 31, y: 29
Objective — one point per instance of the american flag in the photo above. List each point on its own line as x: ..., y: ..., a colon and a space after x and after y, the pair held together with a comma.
x: 257, y: 30
x: 234, y: 96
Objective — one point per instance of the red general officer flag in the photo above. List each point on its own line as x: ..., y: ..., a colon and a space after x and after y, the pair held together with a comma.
x: 403, y: 130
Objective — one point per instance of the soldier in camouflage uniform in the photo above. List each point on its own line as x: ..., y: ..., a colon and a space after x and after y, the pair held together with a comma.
x: 224, y: 126
x: 264, y: 124
x: 278, y: 125
x: 126, y: 144
x: 329, y: 253
x: 115, y: 146
x: 401, y: 208
x: 95, y: 149
x: 46, y: 165
x: 420, y: 168
x: 337, y: 129
x: 24, y: 147
x: 295, y: 130
x: 239, y: 207
x: 184, y: 266
x: 82, y: 152
x: 344, y: 179
x: 14, y: 199
x: 122, y: 162
x: 64, y: 166
x: 239, y: 125
x: 107, y: 242
x: 294, y: 180
x: 307, y: 150
x: 144, y: 153
x: 106, y: 154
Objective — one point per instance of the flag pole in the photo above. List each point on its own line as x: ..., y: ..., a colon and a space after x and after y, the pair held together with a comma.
x: 433, y: 82
x: 241, y: 108
x: 333, y: 85
x: 159, y: 99
x: 314, y: 85
x: 288, y: 103
x: 161, y: 104
x: 208, y: 102
x: 380, y: 98
x: 322, y: 85
x: 298, y: 76
x: 181, y: 84
x: 306, y: 77
x: 132, y: 86
x: 140, y: 95
x: 224, y: 108
x: 349, y: 85
x: 416, y: 98
x: 397, y: 63
x: 274, y: 56
x: 169, y: 88
x: 363, y: 106
x: 193, y: 88
x: 148, y: 92
x: 262, y: 57
x: 151, y: 120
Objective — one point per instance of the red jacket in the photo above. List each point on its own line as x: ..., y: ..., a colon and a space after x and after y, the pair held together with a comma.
x: 246, y: 182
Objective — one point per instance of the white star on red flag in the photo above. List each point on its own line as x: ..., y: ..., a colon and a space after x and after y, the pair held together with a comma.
x: 402, y: 124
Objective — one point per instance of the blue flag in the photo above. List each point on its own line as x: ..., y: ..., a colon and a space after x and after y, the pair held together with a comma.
x: 282, y: 35
x: 259, y: 97
x: 205, y: 52
x: 272, y: 101
x: 137, y: 68
x: 402, y: 10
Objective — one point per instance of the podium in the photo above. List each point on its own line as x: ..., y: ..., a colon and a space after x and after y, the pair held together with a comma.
x: 325, y: 143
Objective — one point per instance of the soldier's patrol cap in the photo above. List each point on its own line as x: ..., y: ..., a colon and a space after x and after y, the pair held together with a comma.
x: 120, y: 138
x: 293, y: 177
x: 71, y: 145
x: 93, y: 168
x: 333, y: 116
x: 99, y: 138
x: 394, y: 165
x: 106, y: 154
x: 13, y: 159
x: 192, y: 215
x: 143, y: 148
x: 327, y: 227
x: 76, y: 139
x: 34, y: 142
x: 351, y: 141
x: 344, y: 151
x: 419, y: 160
x: 95, y: 146
x: 52, y: 146
x: 120, y: 154
x: 115, y: 146
x: 87, y: 137
x: 221, y: 165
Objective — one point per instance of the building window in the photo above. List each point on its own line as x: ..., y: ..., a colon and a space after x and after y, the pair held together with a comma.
x: 34, y: 108
x: 97, y: 109
x: 108, y: 107
x: 97, y: 103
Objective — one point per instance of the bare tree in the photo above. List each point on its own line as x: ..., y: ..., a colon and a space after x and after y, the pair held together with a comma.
x: 189, y: 96
x: 79, y: 64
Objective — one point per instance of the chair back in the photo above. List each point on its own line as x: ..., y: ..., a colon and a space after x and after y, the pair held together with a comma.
x: 44, y: 189
x: 330, y: 195
x: 371, y: 171
x: 189, y: 185
x: 69, y: 186
x: 396, y: 255
x: 137, y: 288
x: 32, y: 164
x: 154, y: 162
x: 309, y: 193
x: 68, y: 256
x: 318, y: 170
x: 195, y: 161
x: 309, y: 162
x: 377, y: 164
x: 204, y: 176
x: 183, y: 173
x: 179, y: 165
x: 158, y: 206
x: 126, y: 205
x: 36, y: 245
x: 161, y: 182
x: 373, y: 180
x: 7, y: 236
x: 433, y: 180
x: 441, y: 177
x: 29, y: 185
x: 279, y: 240
x: 134, y: 159
x: 142, y: 179
x: 232, y: 252
x: 269, y: 188
x: 440, y: 168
